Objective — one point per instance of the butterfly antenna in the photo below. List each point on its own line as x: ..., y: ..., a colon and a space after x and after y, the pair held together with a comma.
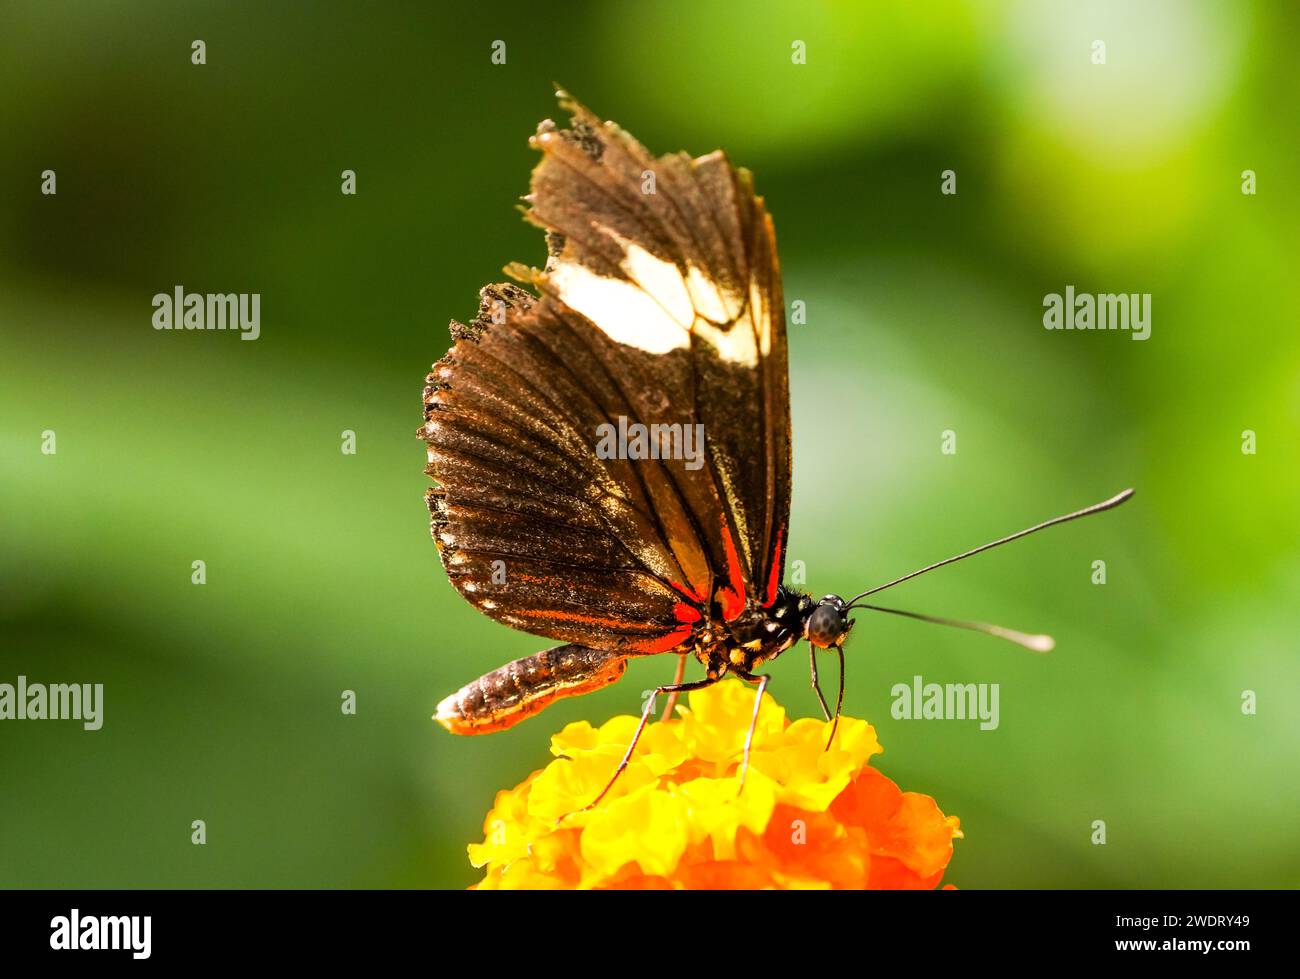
x: 1034, y: 643
x: 1113, y: 502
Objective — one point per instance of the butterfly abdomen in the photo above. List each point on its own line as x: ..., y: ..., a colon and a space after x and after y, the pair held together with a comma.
x: 518, y: 690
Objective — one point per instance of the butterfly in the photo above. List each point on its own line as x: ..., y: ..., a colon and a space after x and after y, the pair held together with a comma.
x: 612, y: 447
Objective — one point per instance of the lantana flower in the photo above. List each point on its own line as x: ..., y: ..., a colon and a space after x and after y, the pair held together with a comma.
x: 806, y: 818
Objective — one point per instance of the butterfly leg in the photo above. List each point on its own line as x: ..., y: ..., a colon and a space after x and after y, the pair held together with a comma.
x: 839, y: 701
x: 678, y: 677
x: 645, y: 718
x: 817, y: 687
x: 762, y: 682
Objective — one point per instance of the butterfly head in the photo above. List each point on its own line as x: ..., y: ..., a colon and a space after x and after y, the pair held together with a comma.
x: 828, y: 624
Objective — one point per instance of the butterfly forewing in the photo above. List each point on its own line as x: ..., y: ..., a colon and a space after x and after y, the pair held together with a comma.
x: 659, y: 305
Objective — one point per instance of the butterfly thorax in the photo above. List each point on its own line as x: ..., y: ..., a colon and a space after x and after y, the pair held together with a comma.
x: 760, y: 633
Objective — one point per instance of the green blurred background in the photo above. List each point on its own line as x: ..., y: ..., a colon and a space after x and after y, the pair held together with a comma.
x: 924, y: 314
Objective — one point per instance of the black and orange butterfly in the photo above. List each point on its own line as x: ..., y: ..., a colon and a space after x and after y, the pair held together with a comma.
x: 660, y: 306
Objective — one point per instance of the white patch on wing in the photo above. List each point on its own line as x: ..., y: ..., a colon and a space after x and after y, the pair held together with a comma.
x: 736, y: 345
x: 707, y: 297
x: 684, y: 299
x: 659, y: 278
x: 655, y: 308
x: 622, y: 310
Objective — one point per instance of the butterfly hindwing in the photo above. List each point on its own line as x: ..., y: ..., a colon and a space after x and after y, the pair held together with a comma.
x: 534, y: 529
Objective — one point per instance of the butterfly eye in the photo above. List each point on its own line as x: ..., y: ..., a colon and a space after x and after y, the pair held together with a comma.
x: 825, y: 626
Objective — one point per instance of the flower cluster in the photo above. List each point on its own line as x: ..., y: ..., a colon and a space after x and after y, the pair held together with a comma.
x: 806, y: 818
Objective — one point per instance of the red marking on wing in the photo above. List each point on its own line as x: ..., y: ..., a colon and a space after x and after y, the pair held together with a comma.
x: 664, y: 643
x: 686, y: 613
x: 733, y: 597
x: 573, y: 617
x: 690, y: 593
x: 774, y: 575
